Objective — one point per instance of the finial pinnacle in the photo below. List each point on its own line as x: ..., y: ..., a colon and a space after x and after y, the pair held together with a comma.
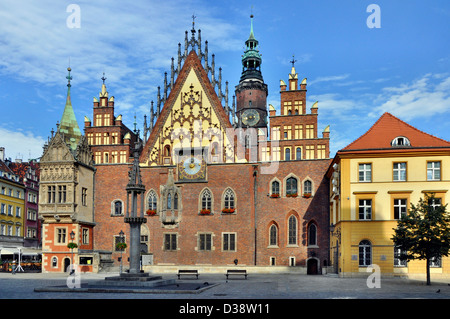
x: 68, y: 77
x: 103, y: 78
x: 293, y: 60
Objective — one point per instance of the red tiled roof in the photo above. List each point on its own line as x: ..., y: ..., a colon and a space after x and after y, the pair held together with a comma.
x: 388, y: 127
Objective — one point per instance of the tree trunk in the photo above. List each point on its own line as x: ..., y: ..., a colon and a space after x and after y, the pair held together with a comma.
x: 428, y: 272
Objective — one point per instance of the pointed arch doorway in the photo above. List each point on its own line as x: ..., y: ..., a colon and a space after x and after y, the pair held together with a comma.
x: 312, y: 266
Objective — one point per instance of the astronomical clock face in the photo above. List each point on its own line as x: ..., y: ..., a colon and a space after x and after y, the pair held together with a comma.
x: 191, y: 168
x: 250, y: 117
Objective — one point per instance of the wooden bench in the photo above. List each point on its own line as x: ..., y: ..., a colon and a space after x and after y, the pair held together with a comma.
x: 242, y: 272
x: 187, y: 272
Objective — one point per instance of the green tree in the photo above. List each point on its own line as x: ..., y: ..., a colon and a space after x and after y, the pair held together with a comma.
x: 424, y: 232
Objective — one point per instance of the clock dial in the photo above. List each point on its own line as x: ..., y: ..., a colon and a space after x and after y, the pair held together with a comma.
x: 250, y: 117
x: 192, y: 168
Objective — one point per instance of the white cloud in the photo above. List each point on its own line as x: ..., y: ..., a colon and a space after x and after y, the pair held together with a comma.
x: 426, y: 97
x: 23, y: 145
x: 329, y: 78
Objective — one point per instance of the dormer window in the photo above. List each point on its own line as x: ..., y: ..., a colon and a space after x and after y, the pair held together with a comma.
x: 400, y: 141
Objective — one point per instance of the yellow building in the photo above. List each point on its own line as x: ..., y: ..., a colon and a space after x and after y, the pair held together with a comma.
x: 12, y: 208
x: 372, y: 182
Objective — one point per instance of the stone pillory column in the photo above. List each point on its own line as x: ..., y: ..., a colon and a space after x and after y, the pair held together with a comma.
x: 135, y: 190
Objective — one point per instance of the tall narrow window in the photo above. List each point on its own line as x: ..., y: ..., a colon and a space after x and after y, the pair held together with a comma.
x: 169, y: 201
x: 307, y: 188
x: 399, y: 208
x: 273, y: 236
x: 152, y: 201
x: 229, y: 199
x: 275, y: 188
x: 291, y: 186
x: 292, y: 226
x: 365, y: 253
x: 61, y: 235
x: 51, y: 194
x: 287, y: 154
x: 399, y: 262
x: 118, y: 208
x: 298, y: 153
x: 206, y: 199
x: 62, y: 194
x: 170, y: 242
x: 175, y: 201
x: 365, y: 209
x: 84, y: 196
x: 312, y: 235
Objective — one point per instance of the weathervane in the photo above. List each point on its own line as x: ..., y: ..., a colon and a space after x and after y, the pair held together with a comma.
x: 293, y: 60
x: 103, y: 78
x: 193, y: 21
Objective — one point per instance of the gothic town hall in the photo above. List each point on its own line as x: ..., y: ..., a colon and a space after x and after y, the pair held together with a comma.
x: 228, y: 181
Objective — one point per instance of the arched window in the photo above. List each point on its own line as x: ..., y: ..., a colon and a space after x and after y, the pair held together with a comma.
x: 275, y: 188
x: 169, y: 201
x: 175, y: 201
x: 152, y: 201
x: 287, y: 154
x: 291, y: 186
x: 228, y: 202
x: 167, y: 150
x: 54, y: 262
x: 118, y: 208
x: 307, y: 188
x: 312, y: 235
x: 273, y: 235
x: 292, y: 227
x: 400, y: 141
x: 365, y: 253
x: 206, y: 199
x: 298, y: 153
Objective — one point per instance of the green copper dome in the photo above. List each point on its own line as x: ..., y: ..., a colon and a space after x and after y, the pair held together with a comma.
x: 69, y: 125
x: 251, y: 59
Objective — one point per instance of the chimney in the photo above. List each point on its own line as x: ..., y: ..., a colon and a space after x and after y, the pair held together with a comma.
x: 2, y: 153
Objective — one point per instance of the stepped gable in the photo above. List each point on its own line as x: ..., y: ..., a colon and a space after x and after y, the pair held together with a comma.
x: 192, y: 62
x: 387, y: 128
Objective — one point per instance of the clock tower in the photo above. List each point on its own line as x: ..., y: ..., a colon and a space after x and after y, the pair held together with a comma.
x: 251, y: 92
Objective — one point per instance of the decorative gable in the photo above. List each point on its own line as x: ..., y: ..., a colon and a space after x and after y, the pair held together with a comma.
x: 57, y: 150
x: 192, y: 118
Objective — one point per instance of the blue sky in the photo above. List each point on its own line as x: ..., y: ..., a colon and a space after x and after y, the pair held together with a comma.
x: 356, y: 73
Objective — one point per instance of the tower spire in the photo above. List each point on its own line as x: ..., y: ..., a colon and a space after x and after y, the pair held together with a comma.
x: 68, y: 124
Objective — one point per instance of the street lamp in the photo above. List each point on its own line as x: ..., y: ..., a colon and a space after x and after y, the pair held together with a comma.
x: 72, y: 236
x: 121, y: 240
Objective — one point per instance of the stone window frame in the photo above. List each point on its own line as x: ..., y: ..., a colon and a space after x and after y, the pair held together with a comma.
x: 235, y: 241
x: 147, y: 198
x: 113, y: 208
x: 288, y: 233
x: 275, y: 179
x: 200, y: 200
x: 277, y: 235
x: 204, y: 233
x: 222, y: 204
x: 307, y: 179
x: 290, y: 175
